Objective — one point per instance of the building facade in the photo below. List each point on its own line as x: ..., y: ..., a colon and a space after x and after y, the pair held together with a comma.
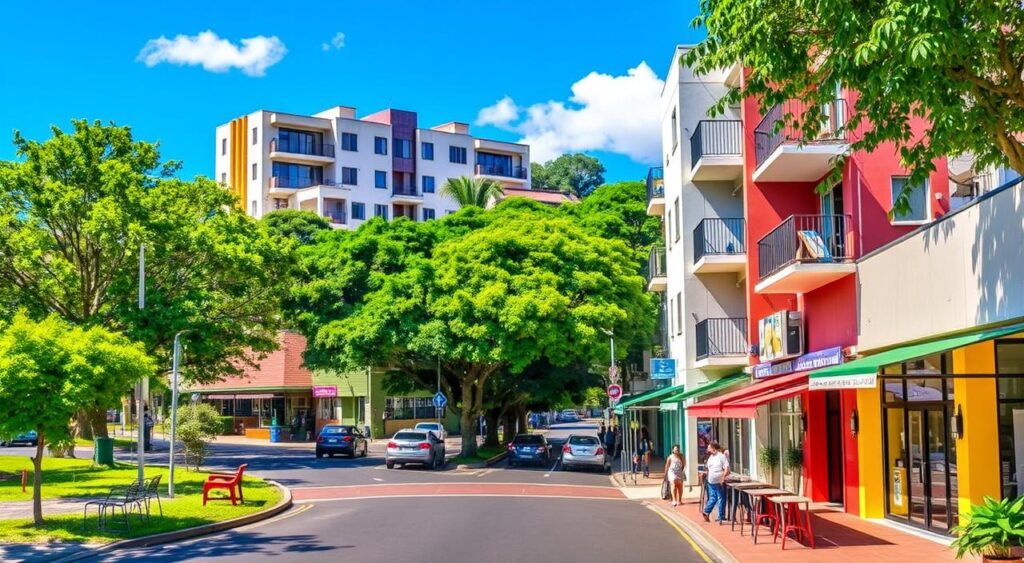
x: 350, y: 169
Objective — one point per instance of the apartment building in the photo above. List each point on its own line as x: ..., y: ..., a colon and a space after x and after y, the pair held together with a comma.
x: 349, y: 169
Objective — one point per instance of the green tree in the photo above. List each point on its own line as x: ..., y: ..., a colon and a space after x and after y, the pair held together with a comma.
x: 302, y: 226
x: 50, y: 370
x: 575, y: 173
x: 197, y: 425
x: 468, y: 191
x: 957, y: 64
x: 619, y: 211
x: 74, y: 211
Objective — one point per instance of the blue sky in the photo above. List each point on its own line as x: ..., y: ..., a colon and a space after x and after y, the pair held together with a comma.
x: 446, y: 61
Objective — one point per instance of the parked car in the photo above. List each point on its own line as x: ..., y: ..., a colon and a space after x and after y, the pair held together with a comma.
x: 582, y: 451
x: 29, y: 438
x: 568, y: 415
x: 335, y: 439
x: 415, y: 446
x: 529, y: 448
x: 435, y: 427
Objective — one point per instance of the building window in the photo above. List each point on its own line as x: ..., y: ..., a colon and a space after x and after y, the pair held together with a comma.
x: 254, y: 135
x: 918, y: 199
x: 428, y: 214
x: 679, y: 313
x: 380, y: 145
x: 1010, y: 362
x: 358, y: 210
x: 380, y: 179
x: 427, y: 151
x: 252, y: 208
x: 303, y: 142
x: 380, y: 211
x: 224, y: 178
x: 668, y: 229
x: 403, y: 148
x: 428, y: 184
x: 449, y: 211
x: 288, y: 175
x: 457, y: 155
x: 280, y: 203
x: 223, y: 146
x: 254, y: 171
x: 671, y: 317
x: 349, y: 176
x: 327, y: 408
x: 349, y: 142
x: 409, y: 408
x: 675, y: 131
x: 676, y: 225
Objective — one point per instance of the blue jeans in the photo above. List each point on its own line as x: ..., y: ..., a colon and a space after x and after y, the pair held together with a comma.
x: 716, y: 495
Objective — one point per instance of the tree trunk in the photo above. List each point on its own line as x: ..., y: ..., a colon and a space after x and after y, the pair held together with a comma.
x: 83, y: 425
x: 98, y: 421
x: 37, y: 480
x: 493, y: 420
x: 468, y: 420
x: 524, y: 425
x: 510, y: 426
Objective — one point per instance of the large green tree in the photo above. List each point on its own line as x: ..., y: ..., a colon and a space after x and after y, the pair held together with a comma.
x: 74, y: 211
x: 960, y: 65
x: 619, y: 211
x: 576, y: 173
x: 49, y: 370
x: 300, y: 225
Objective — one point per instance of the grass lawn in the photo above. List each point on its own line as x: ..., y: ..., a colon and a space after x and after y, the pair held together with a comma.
x: 77, y: 478
x: 483, y: 453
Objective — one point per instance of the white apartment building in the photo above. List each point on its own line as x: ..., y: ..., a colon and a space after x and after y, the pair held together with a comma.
x: 350, y: 169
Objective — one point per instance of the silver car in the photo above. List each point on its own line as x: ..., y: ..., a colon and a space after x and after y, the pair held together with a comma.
x: 415, y: 446
x: 435, y: 427
x: 584, y: 451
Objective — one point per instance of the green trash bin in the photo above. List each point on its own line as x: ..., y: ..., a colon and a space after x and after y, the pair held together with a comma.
x: 103, y: 451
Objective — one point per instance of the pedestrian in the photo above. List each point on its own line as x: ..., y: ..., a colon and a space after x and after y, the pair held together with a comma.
x: 608, y: 439
x: 600, y: 433
x: 310, y: 424
x: 618, y: 441
x: 717, y: 467
x: 296, y: 425
x: 645, y: 449
x: 148, y: 424
x: 674, y: 466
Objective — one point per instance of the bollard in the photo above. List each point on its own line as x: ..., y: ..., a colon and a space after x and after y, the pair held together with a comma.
x: 24, y: 479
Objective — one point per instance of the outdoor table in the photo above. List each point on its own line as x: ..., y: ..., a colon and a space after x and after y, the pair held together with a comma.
x: 789, y: 510
x: 756, y: 500
x: 736, y: 491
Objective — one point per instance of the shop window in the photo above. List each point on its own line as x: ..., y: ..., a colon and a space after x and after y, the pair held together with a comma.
x: 408, y: 408
x: 326, y: 409
x: 1010, y: 360
x: 786, y: 435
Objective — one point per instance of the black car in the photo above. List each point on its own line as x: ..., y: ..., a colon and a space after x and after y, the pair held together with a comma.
x: 335, y: 439
x: 529, y: 448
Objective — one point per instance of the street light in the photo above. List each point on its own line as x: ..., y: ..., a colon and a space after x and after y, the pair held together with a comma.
x: 175, y: 364
x: 144, y: 382
x: 612, y: 372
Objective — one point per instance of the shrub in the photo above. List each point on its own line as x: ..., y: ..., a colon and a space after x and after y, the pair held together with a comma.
x: 994, y: 529
x: 197, y: 425
x: 795, y: 458
x: 227, y: 425
x: 768, y: 459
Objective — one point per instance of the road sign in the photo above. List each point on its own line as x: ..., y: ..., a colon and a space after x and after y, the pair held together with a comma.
x: 663, y: 368
x: 614, y: 392
x: 440, y: 401
x: 613, y: 373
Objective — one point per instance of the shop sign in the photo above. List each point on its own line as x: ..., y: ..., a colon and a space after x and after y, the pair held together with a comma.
x: 663, y: 368
x: 325, y: 391
x: 813, y: 360
x: 855, y: 381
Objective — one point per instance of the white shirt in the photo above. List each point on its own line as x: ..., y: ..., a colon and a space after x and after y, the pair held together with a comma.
x: 717, y: 465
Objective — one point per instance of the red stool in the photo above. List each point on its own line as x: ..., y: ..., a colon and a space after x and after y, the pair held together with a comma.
x: 789, y: 507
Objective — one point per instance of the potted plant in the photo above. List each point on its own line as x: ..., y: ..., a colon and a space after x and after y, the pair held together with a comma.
x: 994, y: 530
x: 768, y: 460
x: 795, y: 463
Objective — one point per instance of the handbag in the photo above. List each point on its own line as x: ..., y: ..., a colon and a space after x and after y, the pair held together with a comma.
x: 666, y: 489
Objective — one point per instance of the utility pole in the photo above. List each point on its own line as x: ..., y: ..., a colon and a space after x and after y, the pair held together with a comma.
x: 144, y: 382
x: 175, y: 366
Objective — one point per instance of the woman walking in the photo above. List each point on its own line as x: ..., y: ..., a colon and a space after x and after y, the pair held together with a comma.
x: 674, y: 466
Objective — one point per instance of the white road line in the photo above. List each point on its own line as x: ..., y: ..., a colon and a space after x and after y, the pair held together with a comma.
x: 461, y: 495
x: 378, y: 479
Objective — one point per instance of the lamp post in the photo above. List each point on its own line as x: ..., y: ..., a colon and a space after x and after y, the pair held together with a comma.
x: 175, y: 365
x: 144, y: 382
x: 612, y: 372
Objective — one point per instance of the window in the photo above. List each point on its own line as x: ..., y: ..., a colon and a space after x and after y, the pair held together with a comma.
x: 303, y: 142
x: 380, y: 179
x: 457, y: 155
x: 671, y: 317
x: 427, y: 151
x: 349, y: 142
x: 358, y: 210
x: 252, y: 208
x: 668, y: 229
x: 1010, y: 362
x: 223, y: 146
x: 449, y: 211
x: 288, y: 175
x: 380, y: 211
x: 408, y: 408
x: 676, y: 226
x: 428, y: 184
x: 349, y: 176
x: 280, y: 203
x: 679, y: 313
x: 494, y: 164
x: 403, y: 148
x: 918, y: 199
x: 380, y: 145
x: 254, y: 171
x: 330, y: 409
x: 675, y: 132
x: 224, y: 178
x: 428, y: 214
x: 254, y: 135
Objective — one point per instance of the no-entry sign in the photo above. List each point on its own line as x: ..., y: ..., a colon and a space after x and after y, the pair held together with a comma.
x: 615, y: 392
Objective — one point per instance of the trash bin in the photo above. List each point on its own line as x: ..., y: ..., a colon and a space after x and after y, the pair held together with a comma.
x: 103, y: 451
x: 275, y: 433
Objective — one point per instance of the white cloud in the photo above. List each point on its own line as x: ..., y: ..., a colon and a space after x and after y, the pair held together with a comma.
x: 337, y: 42
x: 617, y: 114
x: 253, y: 56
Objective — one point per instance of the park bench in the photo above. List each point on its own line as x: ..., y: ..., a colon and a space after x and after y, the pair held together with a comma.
x: 126, y: 499
x: 227, y: 481
x: 152, y: 491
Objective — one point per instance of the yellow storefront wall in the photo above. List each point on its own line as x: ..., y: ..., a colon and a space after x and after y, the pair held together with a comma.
x: 977, y: 452
x: 869, y: 453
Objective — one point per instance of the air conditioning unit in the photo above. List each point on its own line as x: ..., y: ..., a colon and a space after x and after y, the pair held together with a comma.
x: 781, y: 336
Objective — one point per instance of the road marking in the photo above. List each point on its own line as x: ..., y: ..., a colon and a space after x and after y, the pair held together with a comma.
x: 289, y: 514
x: 466, y: 495
x: 519, y: 483
x: 378, y: 479
x: 696, y: 548
x: 557, y: 461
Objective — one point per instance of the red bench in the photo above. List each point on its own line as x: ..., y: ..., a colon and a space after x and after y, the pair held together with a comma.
x: 225, y: 481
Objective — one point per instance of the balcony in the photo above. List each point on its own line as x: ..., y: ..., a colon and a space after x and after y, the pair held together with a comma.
x: 719, y: 247
x: 804, y: 253
x: 721, y: 343
x: 338, y: 219
x: 656, y: 191
x: 782, y: 152
x: 657, y: 277
x: 504, y: 172
x: 284, y: 185
x: 406, y: 194
x: 301, y: 151
x: 716, y: 150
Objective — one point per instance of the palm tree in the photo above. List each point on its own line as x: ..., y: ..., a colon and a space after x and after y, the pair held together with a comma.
x: 472, y: 191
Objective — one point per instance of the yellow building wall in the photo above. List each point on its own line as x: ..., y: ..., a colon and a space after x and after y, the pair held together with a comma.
x: 237, y: 178
x: 977, y: 452
x: 869, y: 453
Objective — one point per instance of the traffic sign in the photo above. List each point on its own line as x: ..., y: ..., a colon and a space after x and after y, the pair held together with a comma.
x: 614, y: 392
x: 440, y: 401
x: 613, y: 373
x: 663, y: 368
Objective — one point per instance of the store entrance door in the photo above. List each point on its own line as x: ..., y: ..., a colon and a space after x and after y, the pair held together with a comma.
x: 922, y: 477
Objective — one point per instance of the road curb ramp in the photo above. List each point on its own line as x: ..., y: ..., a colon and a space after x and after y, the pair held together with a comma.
x: 712, y: 547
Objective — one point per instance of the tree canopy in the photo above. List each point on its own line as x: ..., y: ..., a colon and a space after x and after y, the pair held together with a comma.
x: 300, y: 225
x: 577, y: 173
x: 619, y: 211
x: 960, y: 65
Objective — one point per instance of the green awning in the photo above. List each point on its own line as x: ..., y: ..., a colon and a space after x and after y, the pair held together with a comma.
x: 707, y: 388
x: 863, y: 373
x: 647, y: 396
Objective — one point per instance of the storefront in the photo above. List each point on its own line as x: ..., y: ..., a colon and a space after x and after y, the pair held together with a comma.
x: 695, y: 435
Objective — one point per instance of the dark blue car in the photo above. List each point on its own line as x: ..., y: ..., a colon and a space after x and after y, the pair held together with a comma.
x: 343, y: 440
x: 29, y: 438
x: 529, y: 448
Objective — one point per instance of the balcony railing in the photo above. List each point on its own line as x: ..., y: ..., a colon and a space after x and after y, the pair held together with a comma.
x: 718, y: 237
x: 336, y: 217
x: 405, y: 191
x: 716, y: 138
x: 655, y: 183
x: 784, y: 123
x: 721, y: 337
x: 301, y: 146
x: 506, y: 171
x: 656, y: 263
x: 298, y: 183
x: 804, y: 239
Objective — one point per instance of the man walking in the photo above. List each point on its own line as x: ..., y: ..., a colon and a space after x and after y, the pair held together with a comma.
x: 718, y: 469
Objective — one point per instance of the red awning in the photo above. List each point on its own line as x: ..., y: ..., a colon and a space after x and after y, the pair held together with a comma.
x: 743, y: 403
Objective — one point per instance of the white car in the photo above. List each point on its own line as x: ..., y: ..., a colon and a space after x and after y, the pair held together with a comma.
x: 436, y: 427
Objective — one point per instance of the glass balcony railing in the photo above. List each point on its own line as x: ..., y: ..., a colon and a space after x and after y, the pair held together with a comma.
x: 504, y: 171
x: 301, y: 146
x: 655, y: 183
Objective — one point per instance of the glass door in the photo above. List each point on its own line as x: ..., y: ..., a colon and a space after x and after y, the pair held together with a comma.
x: 930, y: 482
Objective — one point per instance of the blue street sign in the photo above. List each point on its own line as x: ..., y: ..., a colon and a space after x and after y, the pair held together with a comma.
x: 663, y: 368
x: 440, y: 401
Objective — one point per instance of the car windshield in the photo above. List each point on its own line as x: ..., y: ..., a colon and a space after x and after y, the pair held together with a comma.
x: 411, y: 436
x: 583, y: 441
x: 337, y: 430
x: 529, y: 440
x: 429, y: 426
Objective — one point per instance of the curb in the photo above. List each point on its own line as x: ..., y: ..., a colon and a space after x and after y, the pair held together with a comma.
x: 187, y: 533
x: 709, y: 544
x: 486, y: 463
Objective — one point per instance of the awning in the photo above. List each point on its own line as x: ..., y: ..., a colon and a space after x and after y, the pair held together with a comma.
x: 743, y: 403
x: 241, y: 396
x: 709, y: 387
x: 646, y: 396
x: 863, y: 373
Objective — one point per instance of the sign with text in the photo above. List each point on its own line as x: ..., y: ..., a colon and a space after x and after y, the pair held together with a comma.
x: 663, y: 368
x: 325, y: 391
x: 852, y: 381
x: 614, y: 392
x: 813, y: 360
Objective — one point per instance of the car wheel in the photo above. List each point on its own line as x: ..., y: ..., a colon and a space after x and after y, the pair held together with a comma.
x: 390, y: 464
x: 431, y: 464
